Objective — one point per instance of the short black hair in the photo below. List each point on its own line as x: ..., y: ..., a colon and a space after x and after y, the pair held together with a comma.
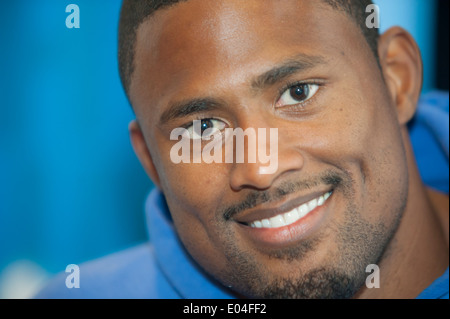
x: 134, y: 12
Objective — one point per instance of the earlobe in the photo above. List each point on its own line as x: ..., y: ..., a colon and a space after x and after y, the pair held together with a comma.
x: 142, y: 152
x: 401, y: 65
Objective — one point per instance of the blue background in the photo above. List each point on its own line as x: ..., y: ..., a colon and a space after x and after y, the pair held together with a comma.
x: 71, y: 188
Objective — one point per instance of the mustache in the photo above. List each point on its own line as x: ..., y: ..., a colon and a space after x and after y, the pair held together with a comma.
x: 255, y: 198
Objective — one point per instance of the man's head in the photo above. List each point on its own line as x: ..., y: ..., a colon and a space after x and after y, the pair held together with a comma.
x: 305, y: 68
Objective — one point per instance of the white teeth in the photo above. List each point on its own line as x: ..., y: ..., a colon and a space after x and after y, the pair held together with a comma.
x: 312, y: 204
x: 320, y: 200
x: 292, y: 216
x: 303, y: 210
x: 277, y: 221
x: 266, y: 223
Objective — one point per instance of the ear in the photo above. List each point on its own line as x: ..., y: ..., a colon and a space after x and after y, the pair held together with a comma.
x: 142, y: 152
x: 402, y: 68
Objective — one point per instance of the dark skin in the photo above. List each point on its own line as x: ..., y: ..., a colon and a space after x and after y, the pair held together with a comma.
x: 353, y: 128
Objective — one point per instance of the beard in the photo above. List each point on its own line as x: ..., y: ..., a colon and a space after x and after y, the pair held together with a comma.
x: 357, y: 243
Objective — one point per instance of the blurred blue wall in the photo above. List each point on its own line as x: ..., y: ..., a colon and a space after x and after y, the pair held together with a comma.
x: 419, y: 18
x: 71, y: 188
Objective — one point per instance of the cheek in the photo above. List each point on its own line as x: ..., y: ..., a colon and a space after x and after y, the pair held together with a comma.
x: 364, y: 140
x: 192, y: 200
x: 193, y: 192
x: 194, y: 187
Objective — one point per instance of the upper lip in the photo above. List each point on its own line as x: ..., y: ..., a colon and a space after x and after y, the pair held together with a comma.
x: 248, y: 216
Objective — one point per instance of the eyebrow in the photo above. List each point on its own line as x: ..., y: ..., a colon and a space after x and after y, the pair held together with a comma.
x: 298, y: 63
x: 189, y: 107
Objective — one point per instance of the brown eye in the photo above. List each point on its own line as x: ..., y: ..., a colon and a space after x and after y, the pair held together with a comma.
x: 297, y: 94
x: 205, y: 128
x: 206, y: 124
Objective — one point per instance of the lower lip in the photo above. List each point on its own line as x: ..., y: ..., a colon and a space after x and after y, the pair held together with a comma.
x: 287, y: 235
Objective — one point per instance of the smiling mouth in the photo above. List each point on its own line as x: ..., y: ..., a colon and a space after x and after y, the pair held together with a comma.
x: 291, y: 217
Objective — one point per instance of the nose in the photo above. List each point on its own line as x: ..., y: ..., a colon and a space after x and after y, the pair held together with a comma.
x: 263, y: 165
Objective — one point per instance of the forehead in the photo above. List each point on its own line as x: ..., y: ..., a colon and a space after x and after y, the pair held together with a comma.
x: 198, y: 46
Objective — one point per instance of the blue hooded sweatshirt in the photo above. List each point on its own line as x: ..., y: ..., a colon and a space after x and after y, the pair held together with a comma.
x: 161, y: 268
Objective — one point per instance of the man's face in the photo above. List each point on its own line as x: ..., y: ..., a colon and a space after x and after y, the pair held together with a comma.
x: 305, y: 69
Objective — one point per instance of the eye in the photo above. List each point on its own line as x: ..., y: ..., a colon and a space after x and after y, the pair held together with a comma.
x: 205, y: 128
x: 296, y: 94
